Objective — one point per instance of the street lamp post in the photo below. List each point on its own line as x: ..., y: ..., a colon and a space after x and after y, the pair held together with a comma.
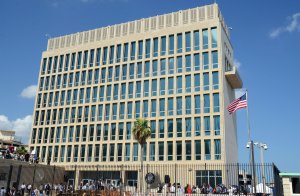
x: 262, y: 147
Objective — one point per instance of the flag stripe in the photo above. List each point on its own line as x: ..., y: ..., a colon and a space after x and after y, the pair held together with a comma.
x: 238, y: 103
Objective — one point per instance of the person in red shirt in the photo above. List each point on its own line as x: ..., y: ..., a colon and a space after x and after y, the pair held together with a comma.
x: 189, y: 189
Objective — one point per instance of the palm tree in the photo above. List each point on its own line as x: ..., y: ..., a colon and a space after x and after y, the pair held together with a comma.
x: 141, y: 132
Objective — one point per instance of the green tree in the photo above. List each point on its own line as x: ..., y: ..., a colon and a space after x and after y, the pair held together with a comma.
x: 141, y: 132
x: 21, y: 150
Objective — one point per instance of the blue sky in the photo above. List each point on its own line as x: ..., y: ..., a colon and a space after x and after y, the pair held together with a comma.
x: 265, y: 37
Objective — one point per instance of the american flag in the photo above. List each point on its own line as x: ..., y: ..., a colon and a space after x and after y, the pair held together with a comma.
x: 238, y: 103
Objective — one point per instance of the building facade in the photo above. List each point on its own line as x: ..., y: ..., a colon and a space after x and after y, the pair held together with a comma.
x: 175, y: 70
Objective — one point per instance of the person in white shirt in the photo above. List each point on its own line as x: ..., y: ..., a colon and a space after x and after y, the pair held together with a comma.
x: 172, y: 189
x: 2, y: 191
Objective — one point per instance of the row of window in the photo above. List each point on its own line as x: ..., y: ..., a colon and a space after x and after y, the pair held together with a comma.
x: 185, y: 105
x: 181, y: 42
x: 160, y: 151
x: 119, y: 73
x: 169, y: 128
x: 129, y: 90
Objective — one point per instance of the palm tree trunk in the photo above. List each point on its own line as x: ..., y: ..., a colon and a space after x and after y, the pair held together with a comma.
x: 142, y: 169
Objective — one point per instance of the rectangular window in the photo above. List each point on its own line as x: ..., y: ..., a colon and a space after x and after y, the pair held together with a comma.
x: 97, y: 152
x: 153, y: 108
x: 107, y: 111
x: 155, y: 47
x: 188, y: 150
x: 84, y: 133
x: 124, y: 72
x: 188, y: 106
x: 154, y: 87
x: 188, y: 63
x: 123, y: 91
x: 152, y: 151
x: 110, y: 74
x: 162, y: 66
x: 100, y: 112
x: 122, y: 110
x: 90, y: 153
x: 206, y: 103
x: 188, y: 41
x: 129, y: 110
x: 104, y: 152
x: 161, y: 151
x: 179, y: 127
x: 128, y: 131
x: 147, y: 54
x: 171, y: 44
x: 121, y: 131
x: 179, y: 105
x: 188, y: 127
x: 216, y: 102
x: 179, y: 150
x: 170, y: 106
x: 215, y: 63
x: 140, y: 51
x: 85, y: 58
x: 153, y: 128
x: 154, y: 68
x: 205, y: 39
x: 170, y: 128
x: 138, y: 89
x: 131, y: 71
x: 119, y: 47
x: 197, y: 62
x: 112, y: 152
x: 163, y: 46
x: 82, y: 153
x: 105, y: 135
x: 217, y: 149
x: 146, y: 88
x: 119, y: 150
x: 207, y: 149
x: 161, y: 128
x: 127, y: 152
x: 116, y: 91
x: 162, y: 86
x: 197, y: 82
x: 207, y: 125
x: 62, y: 153
x: 130, y: 92
x: 198, y: 149
x: 188, y: 87
x: 145, y: 108
x: 104, y: 59
x: 92, y: 57
x: 98, y: 60
x: 91, y: 133
x: 98, y: 137
x: 147, y: 69
x: 206, y: 81
x: 137, y: 109
x: 170, y: 85
x: 77, y: 133
x: 179, y: 43
x: 139, y: 70
x: 170, y: 151
x: 132, y: 52
x: 217, y: 125
x: 117, y: 73
x: 135, y: 152
x: 179, y: 84
x: 205, y: 60
x: 171, y: 66
x: 179, y: 64
x: 162, y: 107
x: 197, y: 126
x: 215, y: 80
x: 111, y: 54
x: 67, y: 62
x: 196, y: 40
x: 214, y: 37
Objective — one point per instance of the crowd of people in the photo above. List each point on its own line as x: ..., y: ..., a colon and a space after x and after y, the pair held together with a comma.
x: 11, y: 153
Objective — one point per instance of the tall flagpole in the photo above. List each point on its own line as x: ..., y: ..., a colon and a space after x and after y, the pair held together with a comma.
x: 251, y: 149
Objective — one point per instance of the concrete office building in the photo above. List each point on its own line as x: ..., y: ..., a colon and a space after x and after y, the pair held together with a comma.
x: 176, y: 70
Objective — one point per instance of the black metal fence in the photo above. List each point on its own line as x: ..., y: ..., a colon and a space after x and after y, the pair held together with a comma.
x: 233, y: 178
x: 15, y: 173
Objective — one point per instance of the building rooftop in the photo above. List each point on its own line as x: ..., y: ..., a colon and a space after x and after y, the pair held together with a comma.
x: 155, y: 23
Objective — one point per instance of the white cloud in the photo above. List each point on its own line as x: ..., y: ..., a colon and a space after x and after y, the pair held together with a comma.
x: 237, y: 63
x: 293, y: 25
x: 22, y: 126
x: 29, y: 92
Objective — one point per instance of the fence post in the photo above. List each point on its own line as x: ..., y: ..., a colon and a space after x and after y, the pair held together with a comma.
x: 9, y: 178
x: 175, y: 179
x: 18, y: 177
x: 33, y: 178
x: 53, y: 179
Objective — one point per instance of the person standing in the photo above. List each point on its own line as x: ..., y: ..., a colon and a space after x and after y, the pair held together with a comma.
x: 23, y: 187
